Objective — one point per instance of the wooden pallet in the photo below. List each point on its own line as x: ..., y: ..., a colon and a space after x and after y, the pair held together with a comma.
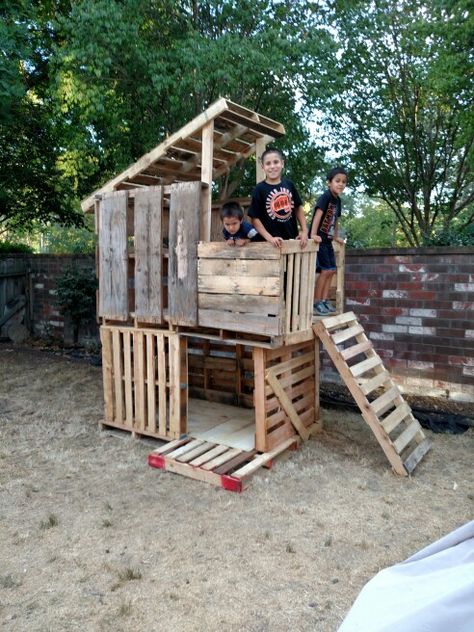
x: 386, y: 412
x: 213, y: 463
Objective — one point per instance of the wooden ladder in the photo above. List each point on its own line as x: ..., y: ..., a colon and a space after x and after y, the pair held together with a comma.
x: 388, y: 415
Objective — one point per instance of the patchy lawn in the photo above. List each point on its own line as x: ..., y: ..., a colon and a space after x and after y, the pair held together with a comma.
x: 92, y: 539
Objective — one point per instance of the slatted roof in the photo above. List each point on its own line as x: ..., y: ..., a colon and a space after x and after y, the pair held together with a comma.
x: 237, y: 133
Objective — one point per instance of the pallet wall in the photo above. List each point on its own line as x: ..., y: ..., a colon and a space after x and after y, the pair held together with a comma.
x: 145, y: 381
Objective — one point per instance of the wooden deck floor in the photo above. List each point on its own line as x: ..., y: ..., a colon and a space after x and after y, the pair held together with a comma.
x: 227, y: 425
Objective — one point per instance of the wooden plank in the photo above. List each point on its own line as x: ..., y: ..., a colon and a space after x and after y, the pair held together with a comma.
x: 139, y: 379
x: 239, y: 267
x: 331, y: 322
x: 261, y: 459
x: 174, y: 363
x: 239, y: 322
x: 222, y: 458
x: 182, y: 265
x: 209, y: 455
x: 396, y: 417
x: 219, y: 250
x: 113, y: 259
x: 206, y: 177
x: 389, y: 396
x: 128, y: 377
x: 294, y: 363
x: 171, y: 446
x: 365, y: 365
x: 295, y: 315
x: 233, y: 286
x: 162, y: 379
x: 357, y: 349
x: 259, y: 399
x: 407, y: 435
x: 196, y: 473
x: 347, y: 334
x: 374, y: 383
x: 107, y: 373
x: 290, y: 262
x: 151, y: 381
x: 187, y: 447
x: 198, y: 451
x: 263, y: 305
x: 415, y: 457
x: 243, y: 457
x: 148, y: 254
x: 118, y: 383
x: 287, y: 405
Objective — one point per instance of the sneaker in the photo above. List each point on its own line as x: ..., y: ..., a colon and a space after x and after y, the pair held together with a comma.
x: 320, y: 309
x: 329, y: 307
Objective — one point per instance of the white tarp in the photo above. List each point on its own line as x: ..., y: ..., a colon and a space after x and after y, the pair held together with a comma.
x: 431, y: 591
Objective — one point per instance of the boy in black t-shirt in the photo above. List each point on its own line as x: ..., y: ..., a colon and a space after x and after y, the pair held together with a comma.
x: 276, y: 206
x: 236, y: 232
x: 324, y: 231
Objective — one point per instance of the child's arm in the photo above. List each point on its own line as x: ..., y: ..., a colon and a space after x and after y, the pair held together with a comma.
x: 276, y: 241
x: 303, y: 235
x: 314, y: 228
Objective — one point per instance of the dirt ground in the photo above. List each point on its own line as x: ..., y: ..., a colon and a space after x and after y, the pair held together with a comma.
x: 93, y: 539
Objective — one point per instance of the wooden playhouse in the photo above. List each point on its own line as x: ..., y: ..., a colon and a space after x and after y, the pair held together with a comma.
x: 214, y: 349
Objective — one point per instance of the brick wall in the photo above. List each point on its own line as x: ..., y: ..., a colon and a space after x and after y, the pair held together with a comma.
x: 45, y: 319
x: 417, y: 307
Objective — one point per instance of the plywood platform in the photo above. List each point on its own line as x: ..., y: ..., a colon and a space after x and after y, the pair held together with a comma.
x: 219, y: 423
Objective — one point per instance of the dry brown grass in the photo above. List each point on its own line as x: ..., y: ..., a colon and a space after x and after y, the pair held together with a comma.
x: 135, y: 548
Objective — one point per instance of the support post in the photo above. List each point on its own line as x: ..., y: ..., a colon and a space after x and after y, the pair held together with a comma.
x: 206, y: 178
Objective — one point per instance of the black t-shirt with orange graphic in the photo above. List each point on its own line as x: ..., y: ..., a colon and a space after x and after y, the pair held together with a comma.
x: 331, y: 208
x: 274, y: 205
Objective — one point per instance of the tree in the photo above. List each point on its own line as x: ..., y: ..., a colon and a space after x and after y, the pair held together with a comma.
x: 32, y: 186
x: 401, y: 108
x: 129, y: 72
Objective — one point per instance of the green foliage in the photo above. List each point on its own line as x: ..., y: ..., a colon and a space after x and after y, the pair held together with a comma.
x: 75, y: 295
x: 58, y: 239
x: 130, y: 72
x: 32, y: 187
x: 370, y: 224
x: 402, y: 107
x: 12, y: 247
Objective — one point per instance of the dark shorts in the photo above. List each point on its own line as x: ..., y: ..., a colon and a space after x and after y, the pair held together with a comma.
x: 325, y: 259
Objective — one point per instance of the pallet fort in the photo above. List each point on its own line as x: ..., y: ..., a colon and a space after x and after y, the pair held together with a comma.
x: 214, y: 349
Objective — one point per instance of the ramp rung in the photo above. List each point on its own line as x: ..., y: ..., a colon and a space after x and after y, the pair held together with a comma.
x: 396, y: 417
x: 346, y: 334
x: 375, y: 382
x: 385, y: 399
x: 415, y: 457
x: 351, y: 352
x: 185, y: 448
x: 340, y: 319
x: 407, y: 435
x: 365, y: 365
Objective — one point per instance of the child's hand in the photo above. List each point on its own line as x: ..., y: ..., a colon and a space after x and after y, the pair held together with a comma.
x: 316, y: 239
x: 230, y: 242
x: 240, y: 242
x: 303, y: 238
x: 340, y: 240
x: 276, y: 241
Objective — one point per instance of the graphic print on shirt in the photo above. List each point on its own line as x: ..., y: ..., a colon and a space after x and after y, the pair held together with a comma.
x: 329, y: 221
x: 280, y: 204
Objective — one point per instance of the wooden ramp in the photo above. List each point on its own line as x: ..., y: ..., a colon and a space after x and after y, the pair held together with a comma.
x: 388, y: 415
x: 213, y: 463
